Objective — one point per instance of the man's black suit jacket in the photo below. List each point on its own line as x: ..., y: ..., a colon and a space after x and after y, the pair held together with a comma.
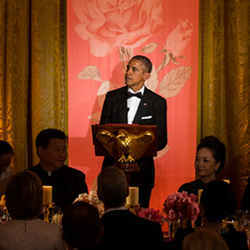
x: 152, y: 110
x: 124, y: 230
x: 67, y: 183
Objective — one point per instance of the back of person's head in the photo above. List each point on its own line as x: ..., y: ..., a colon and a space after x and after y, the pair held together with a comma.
x: 217, y: 201
x: 6, y: 154
x: 146, y: 62
x: 246, y: 197
x: 217, y: 148
x: 204, y: 240
x: 5, y: 148
x: 82, y: 227
x: 44, y: 137
x: 24, y: 195
x: 112, y: 187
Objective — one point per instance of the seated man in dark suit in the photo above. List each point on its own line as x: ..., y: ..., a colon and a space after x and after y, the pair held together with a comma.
x: 6, y: 156
x: 246, y: 197
x: 122, y: 228
x: 67, y: 182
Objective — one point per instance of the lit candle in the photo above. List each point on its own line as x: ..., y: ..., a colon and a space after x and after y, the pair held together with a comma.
x: 133, y: 197
x: 47, y: 195
x: 199, y: 195
x: 227, y: 181
x: 2, y: 201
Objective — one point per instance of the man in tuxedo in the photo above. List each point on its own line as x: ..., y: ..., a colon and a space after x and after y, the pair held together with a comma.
x: 136, y: 104
x: 122, y: 228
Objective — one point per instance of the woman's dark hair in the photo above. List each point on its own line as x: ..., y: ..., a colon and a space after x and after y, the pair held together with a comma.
x: 82, y: 227
x: 5, y: 148
x: 217, y: 148
x: 24, y: 195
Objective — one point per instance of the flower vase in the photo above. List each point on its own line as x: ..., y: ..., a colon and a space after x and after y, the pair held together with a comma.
x: 185, y: 223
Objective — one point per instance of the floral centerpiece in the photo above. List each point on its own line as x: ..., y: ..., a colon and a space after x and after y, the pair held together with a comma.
x: 180, y: 208
x: 151, y: 214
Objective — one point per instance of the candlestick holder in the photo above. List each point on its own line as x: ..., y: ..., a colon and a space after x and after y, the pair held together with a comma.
x: 48, y: 212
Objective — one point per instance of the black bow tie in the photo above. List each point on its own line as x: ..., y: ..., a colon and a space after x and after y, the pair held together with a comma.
x: 129, y: 94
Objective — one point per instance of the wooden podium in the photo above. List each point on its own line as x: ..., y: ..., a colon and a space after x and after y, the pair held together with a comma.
x: 125, y: 143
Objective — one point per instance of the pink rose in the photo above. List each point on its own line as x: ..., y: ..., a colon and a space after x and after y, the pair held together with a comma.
x: 170, y: 202
x: 151, y: 214
x: 107, y: 24
x: 194, y: 197
x: 193, y: 211
x: 172, y: 216
x: 181, y: 205
x: 179, y: 37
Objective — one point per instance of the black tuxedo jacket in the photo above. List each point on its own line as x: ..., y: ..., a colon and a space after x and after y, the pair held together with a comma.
x: 124, y: 230
x: 152, y: 110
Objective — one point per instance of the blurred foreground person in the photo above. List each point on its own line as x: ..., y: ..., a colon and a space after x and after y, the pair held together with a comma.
x: 204, y: 240
x: 122, y: 228
x: 26, y: 230
x: 216, y: 208
x: 82, y: 227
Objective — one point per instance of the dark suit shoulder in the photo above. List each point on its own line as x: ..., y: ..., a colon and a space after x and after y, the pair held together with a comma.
x: 154, y: 95
x: 76, y: 177
x: 192, y: 187
x: 37, y: 169
x: 73, y: 171
x: 124, y: 226
x: 127, y: 217
x: 117, y: 91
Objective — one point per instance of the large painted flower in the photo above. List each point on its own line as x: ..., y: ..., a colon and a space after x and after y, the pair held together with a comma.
x: 108, y: 24
x: 179, y: 37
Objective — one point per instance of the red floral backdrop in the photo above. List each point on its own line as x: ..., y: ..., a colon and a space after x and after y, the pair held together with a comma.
x: 102, y: 35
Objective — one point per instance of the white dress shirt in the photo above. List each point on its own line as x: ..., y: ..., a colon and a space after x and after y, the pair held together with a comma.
x: 133, y: 104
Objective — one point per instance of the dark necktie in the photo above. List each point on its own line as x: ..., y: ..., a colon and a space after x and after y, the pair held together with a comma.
x: 129, y: 94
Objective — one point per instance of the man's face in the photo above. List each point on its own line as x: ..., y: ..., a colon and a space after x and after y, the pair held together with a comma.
x: 136, y: 75
x: 5, y: 161
x: 54, y: 156
x: 205, y: 163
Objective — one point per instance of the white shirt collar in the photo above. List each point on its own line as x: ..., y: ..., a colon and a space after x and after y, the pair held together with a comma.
x: 139, y: 91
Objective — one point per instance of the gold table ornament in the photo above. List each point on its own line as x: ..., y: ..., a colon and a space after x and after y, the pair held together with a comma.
x: 47, y: 202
